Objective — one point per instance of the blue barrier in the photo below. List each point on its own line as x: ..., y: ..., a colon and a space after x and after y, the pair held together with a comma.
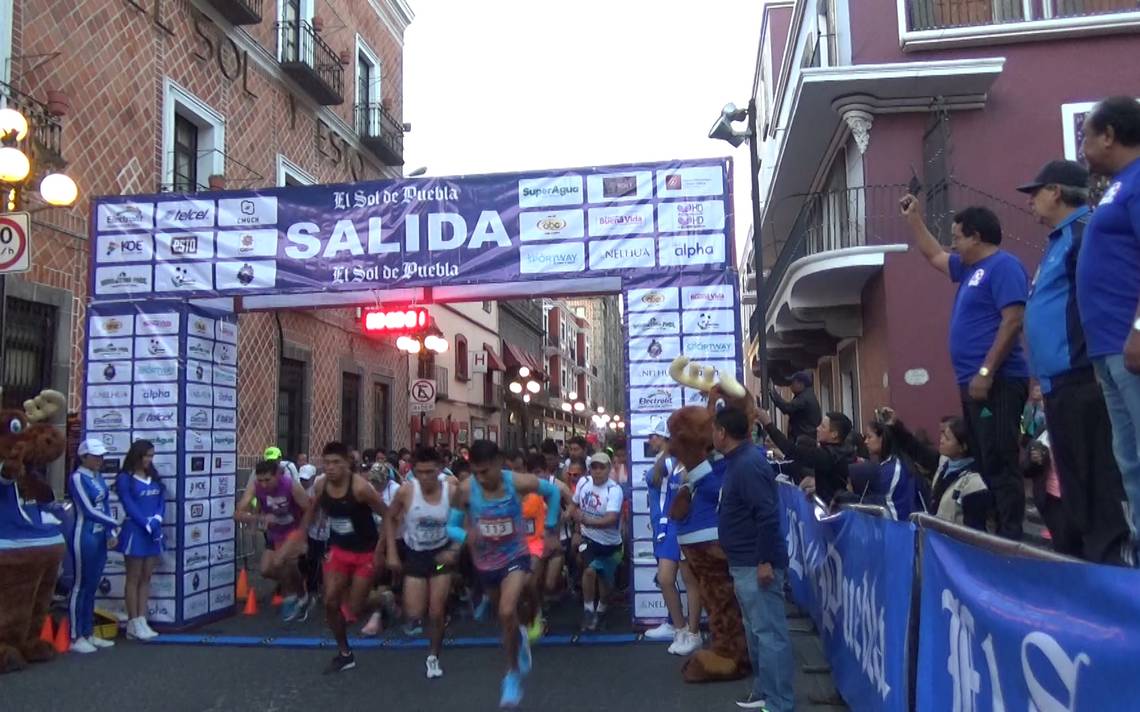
x: 838, y: 571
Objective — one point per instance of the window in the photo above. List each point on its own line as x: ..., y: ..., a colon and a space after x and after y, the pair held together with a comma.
x: 289, y: 173
x: 369, y: 93
x: 461, y: 359
x: 193, y: 140
x: 487, y: 306
x: 381, y: 416
x: 291, y: 14
x: 27, y: 354
x: 849, y: 382
x: 291, y: 406
x: 350, y: 409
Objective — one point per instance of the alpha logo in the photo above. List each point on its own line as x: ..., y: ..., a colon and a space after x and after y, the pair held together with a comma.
x: 184, y: 245
x: 156, y: 348
x: 109, y: 419
x: 552, y: 224
x: 619, y: 186
x: 245, y: 274
x: 673, y: 181
x: 123, y: 281
x: 654, y: 348
x: 653, y: 298
x: 690, y: 250
x: 109, y: 372
x: 155, y: 393
x: 199, y: 419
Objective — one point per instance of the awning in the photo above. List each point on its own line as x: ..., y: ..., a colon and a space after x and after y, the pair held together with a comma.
x: 494, y: 362
x: 517, y: 357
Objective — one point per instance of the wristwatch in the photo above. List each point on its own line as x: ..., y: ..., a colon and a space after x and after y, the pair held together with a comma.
x: 984, y: 372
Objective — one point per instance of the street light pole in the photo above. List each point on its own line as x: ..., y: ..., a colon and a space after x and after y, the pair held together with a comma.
x: 758, y: 250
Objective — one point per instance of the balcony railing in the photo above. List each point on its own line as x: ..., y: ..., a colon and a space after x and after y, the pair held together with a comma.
x: 311, y: 62
x: 439, y: 373
x: 945, y: 14
x: 381, y: 133
x: 47, y: 130
x: 240, y: 12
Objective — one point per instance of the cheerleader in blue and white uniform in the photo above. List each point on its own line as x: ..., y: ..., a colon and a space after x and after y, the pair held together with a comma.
x: 95, y: 528
x: 140, y: 540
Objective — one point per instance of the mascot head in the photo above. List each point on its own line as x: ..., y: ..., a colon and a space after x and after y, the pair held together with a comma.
x: 29, y: 440
x: 722, y: 389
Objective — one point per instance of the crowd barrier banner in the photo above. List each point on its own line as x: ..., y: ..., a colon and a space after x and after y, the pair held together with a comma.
x: 1004, y: 633
x: 838, y: 571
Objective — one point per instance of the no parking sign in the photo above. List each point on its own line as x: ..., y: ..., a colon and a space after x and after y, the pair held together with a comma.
x: 15, y: 250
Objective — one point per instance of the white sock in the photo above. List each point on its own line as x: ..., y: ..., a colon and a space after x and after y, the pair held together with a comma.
x: 589, y: 605
x: 601, y: 607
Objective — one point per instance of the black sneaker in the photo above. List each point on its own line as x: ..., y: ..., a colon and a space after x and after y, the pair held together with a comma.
x: 751, y: 702
x: 341, y: 663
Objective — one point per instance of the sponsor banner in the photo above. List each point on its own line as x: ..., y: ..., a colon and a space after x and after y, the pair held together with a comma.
x: 661, y: 398
x: 225, y: 440
x: 641, y: 423
x: 221, y: 598
x: 197, y: 465
x: 196, y: 557
x: 694, y: 397
x: 548, y: 225
x: 113, y: 606
x: 200, y: 418
x: 1003, y: 632
x: 554, y: 258
x: 156, y: 417
x: 117, y: 443
x: 184, y: 245
x: 197, y: 488
x: 712, y: 297
x: 704, y: 348
x: 170, y: 512
x: 156, y: 347
x: 643, y: 553
x: 198, y: 348
x: 649, y: 607
x: 112, y: 586
x: 621, y: 220
x: 553, y: 190
x: 618, y: 187
x: 200, y: 372
x: 225, y: 376
x: 642, y: 527
x: 690, y: 182
x: 183, y: 277
x: 657, y: 348
x: 198, y: 441
x: 116, y: 564
x: 107, y: 418
x: 165, y: 370
x: 657, y: 299
x: 247, y: 212
x: 109, y: 326
x: 156, y: 324
x: 709, y: 321
x: 225, y: 419
x: 195, y: 582
x: 199, y: 394
x: 164, y: 441
x: 252, y: 274
x: 225, y: 354
x: 222, y: 553
x: 121, y: 217
x: 838, y: 574
x: 246, y: 244
x: 199, y: 326
x: 197, y: 510
x: 114, y: 396
x: 123, y: 280
x: 634, y: 253
x: 645, y: 579
x: 113, y: 372
x: 161, y: 610
x: 163, y: 586
x: 694, y: 250
x: 695, y: 216
x: 109, y: 349
x: 640, y: 452
x: 195, y: 534
x: 640, y: 501
x: 221, y: 575
x: 112, y: 249
x: 153, y: 394
x: 195, y: 606
x: 227, y: 331
x: 225, y: 397
x: 222, y: 530
x: 654, y: 324
x: 221, y: 508
x: 185, y: 214
x: 650, y: 373
x: 168, y: 562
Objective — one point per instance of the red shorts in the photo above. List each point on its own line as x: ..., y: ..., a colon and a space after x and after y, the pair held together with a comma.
x: 358, y: 564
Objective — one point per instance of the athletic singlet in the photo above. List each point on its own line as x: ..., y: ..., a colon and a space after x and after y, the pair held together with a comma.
x: 425, y: 524
x: 534, y: 516
x: 500, y: 535
x: 351, y: 526
x: 284, y: 512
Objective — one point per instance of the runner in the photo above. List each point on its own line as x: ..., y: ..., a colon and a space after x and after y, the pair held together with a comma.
x: 349, y: 502
x: 597, y: 510
x: 534, y: 518
x: 281, y: 501
x: 422, y: 506
x: 491, y: 504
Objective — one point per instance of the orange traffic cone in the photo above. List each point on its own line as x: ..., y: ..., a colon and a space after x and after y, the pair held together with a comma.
x: 243, y: 585
x: 63, y: 637
x: 46, y: 633
x: 250, y: 604
x: 277, y: 600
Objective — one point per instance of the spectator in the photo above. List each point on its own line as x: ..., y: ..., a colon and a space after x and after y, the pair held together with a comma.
x: 1033, y: 415
x: 752, y: 536
x: 828, y: 459
x: 1092, y: 496
x: 803, y: 412
x: 1108, y: 280
x: 985, y: 330
x: 1040, y: 468
x: 887, y: 479
x: 958, y: 492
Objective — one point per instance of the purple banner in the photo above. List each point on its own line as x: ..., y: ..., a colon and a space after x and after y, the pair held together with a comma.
x: 605, y: 221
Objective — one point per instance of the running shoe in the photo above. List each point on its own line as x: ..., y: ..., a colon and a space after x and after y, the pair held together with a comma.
x: 686, y: 643
x: 590, y: 621
x: 433, y: 668
x: 374, y: 625
x: 289, y: 609
x: 100, y: 643
x: 512, y: 691
x: 310, y: 604
x: 536, y: 629
x: 414, y: 628
x: 341, y: 663
x: 80, y: 645
x: 300, y: 610
x: 525, y: 659
x: 751, y: 702
x: 665, y: 631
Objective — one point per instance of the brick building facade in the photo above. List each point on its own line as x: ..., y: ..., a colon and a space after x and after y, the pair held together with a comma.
x: 170, y: 95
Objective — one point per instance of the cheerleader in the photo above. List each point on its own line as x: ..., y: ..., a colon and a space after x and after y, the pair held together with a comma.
x: 140, y: 541
x: 95, y: 530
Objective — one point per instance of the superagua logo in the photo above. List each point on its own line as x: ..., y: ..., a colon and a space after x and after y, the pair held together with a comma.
x: 560, y: 191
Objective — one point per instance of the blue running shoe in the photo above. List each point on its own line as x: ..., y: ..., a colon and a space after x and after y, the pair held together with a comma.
x: 481, y: 609
x: 525, y: 660
x: 512, y: 691
x: 289, y: 608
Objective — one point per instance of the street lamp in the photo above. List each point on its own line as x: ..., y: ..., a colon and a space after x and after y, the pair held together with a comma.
x: 723, y: 130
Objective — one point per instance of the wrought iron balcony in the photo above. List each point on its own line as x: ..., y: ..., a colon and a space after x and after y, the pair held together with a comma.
x: 239, y: 12
x: 311, y: 62
x: 381, y: 133
x: 46, y: 137
x: 945, y: 14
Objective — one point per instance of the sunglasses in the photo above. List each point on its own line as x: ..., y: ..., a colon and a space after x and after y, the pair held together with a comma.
x: 598, y: 465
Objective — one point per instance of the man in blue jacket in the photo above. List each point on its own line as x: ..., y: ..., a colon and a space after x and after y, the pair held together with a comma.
x: 752, y: 536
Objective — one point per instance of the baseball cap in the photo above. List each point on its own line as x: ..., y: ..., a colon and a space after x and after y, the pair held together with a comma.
x: 804, y: 377
x: 1066, y: 173
x: 660, y: 428
x: 307, y: 472
x: 600, y: 457
x: 272, y: 453
x: 92, y: 446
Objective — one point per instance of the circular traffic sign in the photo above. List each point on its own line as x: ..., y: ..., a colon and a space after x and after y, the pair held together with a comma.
x: 13, y: 243
x: 423, y: 391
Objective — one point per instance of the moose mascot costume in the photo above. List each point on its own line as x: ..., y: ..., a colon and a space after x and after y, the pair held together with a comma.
x: 695, y: 510
x: 31, y: 543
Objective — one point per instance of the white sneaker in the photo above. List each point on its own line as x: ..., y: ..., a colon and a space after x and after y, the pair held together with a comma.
x: 686, y: 643
x: 433, y: 668
x: 150, y: 632
x: 100, y: 643
x: 80, y: 645
x: 133, y: 631
x: 665, y: 631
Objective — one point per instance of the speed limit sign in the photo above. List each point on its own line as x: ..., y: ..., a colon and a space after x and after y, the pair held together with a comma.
x: 15, y: 250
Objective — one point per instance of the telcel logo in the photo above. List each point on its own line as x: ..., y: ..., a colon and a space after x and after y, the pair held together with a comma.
x: 186, y: 215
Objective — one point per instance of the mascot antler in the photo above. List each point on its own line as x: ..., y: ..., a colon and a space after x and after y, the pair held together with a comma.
x: 690, y: 373
x: 43, y: 407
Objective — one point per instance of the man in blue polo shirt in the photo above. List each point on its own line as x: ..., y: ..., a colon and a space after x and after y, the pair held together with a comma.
x: 1092, y: 497
x: 985, y: 348
x: 1108, y: 279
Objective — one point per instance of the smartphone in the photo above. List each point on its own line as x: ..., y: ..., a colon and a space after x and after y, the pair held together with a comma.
x: 915, y: 184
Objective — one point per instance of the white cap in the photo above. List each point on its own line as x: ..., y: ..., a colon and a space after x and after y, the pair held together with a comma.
x: 660, y: 428
x: 92, y: 446
x: 308, y: 472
